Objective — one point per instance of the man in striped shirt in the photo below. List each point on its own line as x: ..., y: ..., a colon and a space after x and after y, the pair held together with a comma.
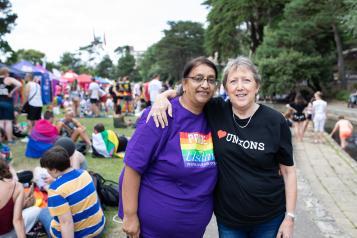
x: 73, y: 205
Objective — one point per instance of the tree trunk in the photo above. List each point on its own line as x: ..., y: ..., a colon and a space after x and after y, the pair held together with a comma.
x: 340, y: 60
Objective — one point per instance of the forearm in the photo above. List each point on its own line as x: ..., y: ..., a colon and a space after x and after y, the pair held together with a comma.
x: 290, y: 189
x: 67, y: 229
x: 169, y: 93
x: 19, y: 228
x: 14, y: 90
x: 131, y: 185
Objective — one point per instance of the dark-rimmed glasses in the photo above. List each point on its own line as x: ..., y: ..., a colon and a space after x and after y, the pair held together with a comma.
x: 199, y: 79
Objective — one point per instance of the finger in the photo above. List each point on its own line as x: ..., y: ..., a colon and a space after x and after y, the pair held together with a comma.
x: 169, y: 110
x: 156, y: 120
x: 148, y: 117
x: 164, y: 118
x: 162, y: 123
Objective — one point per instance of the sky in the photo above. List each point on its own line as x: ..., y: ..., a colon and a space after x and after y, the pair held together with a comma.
x: 57, y: 26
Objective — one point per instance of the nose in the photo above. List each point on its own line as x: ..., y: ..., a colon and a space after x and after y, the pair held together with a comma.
x: 205, y: 83
x: 239, y: 85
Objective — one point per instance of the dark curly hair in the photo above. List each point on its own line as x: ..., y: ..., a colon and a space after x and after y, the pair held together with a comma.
x: 4, y: 170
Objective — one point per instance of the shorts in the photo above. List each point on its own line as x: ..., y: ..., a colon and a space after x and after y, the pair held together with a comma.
x: 94, y: 100
x: 6, y: 110
x: 299, y: 117
x: 34, y: 113
x: 128, y: 98
x: 123, y: 142
x: 117, y: 109
x: 309, y: 117
x: 319, y: 124
x: 345, y: 134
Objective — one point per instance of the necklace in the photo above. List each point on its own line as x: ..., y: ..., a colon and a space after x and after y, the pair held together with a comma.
x: 234, y: 119
x: 240, y: 125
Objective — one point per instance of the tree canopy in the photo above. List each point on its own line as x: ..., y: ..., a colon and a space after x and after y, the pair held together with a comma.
x: 7, y: 22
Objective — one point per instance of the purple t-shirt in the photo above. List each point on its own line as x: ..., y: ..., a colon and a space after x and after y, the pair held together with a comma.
x: 178, y: 174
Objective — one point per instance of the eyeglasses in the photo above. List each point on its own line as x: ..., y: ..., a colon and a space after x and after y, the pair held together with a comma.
x: 199, y: 79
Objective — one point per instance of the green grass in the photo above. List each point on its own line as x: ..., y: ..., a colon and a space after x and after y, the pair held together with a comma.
x: 108, y: 168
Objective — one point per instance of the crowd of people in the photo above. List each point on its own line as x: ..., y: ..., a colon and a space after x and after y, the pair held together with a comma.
x: 300, y: 114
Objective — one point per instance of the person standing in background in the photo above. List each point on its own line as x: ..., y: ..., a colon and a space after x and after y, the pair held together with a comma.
x: 33, y: 96
x: 94, y: 97
x: 155, y: 87
x: 319, y: 107
x: 298, y: 107
x: 8, y: 86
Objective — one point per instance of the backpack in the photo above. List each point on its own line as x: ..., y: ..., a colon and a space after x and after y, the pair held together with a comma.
x: 107, y: 190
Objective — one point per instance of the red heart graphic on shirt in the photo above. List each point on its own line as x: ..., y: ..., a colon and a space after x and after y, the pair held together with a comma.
x: 221, y: 134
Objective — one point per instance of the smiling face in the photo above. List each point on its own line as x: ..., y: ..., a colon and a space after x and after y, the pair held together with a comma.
x: 197, y: 94
x: 242, y: 88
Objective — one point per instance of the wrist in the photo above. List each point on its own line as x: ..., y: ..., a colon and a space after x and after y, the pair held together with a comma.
x: 130, y: 214
x: 290, y: 216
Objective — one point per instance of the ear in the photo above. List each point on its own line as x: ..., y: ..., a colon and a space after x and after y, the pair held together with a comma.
x: 184, y: 85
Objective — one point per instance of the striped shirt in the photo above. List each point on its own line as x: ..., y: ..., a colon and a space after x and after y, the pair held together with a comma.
x: 75, y: 192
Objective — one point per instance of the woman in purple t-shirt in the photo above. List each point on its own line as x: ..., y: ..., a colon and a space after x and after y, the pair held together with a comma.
x: 170, y: 173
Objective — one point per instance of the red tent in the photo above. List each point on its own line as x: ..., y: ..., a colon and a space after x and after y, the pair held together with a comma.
x: 84, y: 78
x: 69, y: 76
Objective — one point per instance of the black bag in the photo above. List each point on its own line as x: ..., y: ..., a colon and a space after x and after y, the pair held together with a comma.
x: 25, y: 177
x: 107, y: 190
x: 25, y: 108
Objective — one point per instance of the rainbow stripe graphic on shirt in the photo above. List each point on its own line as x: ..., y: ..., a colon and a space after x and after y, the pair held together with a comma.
x: 197, y: 149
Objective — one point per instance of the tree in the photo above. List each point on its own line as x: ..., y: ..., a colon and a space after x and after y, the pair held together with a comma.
x: 181, y: 42
x: 34, y: 56
x: 237, y: 26
x: 350, y: 17
x: 105, y: 67
x: 92, y: 50
x: 69, y: 61
x: 7, y: 22
x: 148, y: 65
x: 310, y: 40
x: 126, y: 62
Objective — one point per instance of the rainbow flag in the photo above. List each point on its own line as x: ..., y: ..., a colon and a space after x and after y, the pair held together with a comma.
x: 106, y: 143
x: 197, y: 149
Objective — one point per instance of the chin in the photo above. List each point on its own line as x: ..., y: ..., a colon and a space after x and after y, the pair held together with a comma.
x: 203, y: 100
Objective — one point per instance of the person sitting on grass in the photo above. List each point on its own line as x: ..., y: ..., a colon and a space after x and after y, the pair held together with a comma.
x: 78, y: 161
x: 106, y: 143
x: 43, y: 136
x: 11, y: 202
x: 72, y: 128
x: 345, y: 128
x: 73, y: 205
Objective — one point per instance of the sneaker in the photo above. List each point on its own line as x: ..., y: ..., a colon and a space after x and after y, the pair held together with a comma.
x: 25, y: 140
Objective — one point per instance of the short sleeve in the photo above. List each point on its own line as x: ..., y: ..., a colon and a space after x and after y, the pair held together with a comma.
x: 142, y: 147
x: 57, y: 204
x: 285, y: 152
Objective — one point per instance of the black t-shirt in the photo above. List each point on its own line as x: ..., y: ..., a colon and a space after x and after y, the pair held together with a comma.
x: 299, y: 108
x: 250, y: 189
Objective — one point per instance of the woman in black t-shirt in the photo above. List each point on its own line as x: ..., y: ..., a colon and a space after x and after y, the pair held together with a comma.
x: 299, y: 118
x: 255, y: 195
x: 8, y: 86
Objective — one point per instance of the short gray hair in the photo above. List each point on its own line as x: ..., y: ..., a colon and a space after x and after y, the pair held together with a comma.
x: 240, y: 61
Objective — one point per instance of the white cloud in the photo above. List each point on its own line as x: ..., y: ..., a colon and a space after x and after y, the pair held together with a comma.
x: 57, y: 26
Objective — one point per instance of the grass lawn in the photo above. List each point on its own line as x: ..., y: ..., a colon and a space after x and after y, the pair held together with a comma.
x: 109, y: 168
